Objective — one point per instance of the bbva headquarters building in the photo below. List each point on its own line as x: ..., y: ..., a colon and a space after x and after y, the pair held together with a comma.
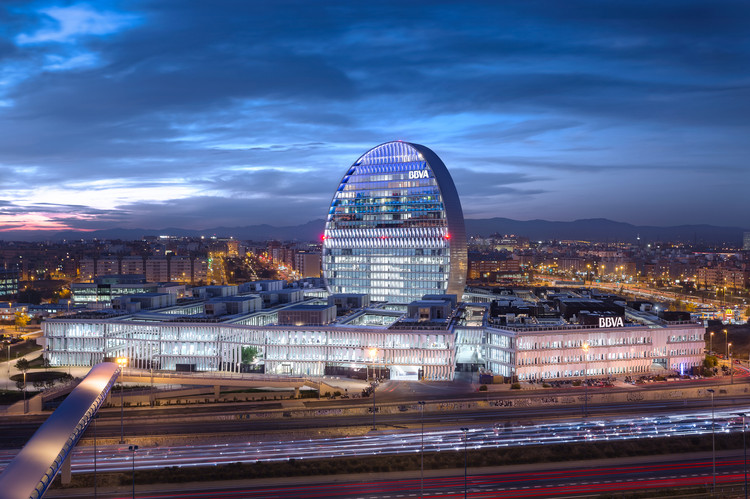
x: 395, y: 257
x: 395, y: 229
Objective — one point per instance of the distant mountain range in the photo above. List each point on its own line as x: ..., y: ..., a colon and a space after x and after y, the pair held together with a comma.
x: 596, y: 229
x: 603, y: 230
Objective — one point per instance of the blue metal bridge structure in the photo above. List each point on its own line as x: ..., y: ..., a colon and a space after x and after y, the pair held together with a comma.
x: 31, y: 472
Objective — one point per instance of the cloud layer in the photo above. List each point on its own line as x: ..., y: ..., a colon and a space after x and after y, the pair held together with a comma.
x: 198, y: 114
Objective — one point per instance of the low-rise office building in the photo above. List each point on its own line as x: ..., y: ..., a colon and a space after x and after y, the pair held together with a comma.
x: 518, y: 335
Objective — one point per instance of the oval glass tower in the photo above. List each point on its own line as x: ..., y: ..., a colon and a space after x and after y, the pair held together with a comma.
x: 395, y: 229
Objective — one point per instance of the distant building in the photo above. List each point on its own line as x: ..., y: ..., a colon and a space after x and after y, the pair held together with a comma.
x: 180, y: 269
x: 99, y: 294
x: 200, y: 270
x: 488, y: 266
x: 131, y: 265
x: 307, y: 264
x: 8, y: 282
x: 746, y: 241
x: 107, y: 266
x: 157, y: 270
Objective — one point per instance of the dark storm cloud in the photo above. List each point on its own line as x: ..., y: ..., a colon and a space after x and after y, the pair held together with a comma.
x: 230, y: 212
x: 256, y: 108
x: 473, y: 183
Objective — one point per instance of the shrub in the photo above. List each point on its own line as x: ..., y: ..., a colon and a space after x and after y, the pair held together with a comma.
x: 483, y: 388
x: 515, y: 386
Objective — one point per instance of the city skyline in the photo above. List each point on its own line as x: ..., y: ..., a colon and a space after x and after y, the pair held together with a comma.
x: 159, y: 114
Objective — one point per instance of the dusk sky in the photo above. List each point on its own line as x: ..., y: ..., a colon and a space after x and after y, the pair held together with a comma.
x: 198, y: 114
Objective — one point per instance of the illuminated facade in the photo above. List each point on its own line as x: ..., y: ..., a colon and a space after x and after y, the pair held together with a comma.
x: 395, y: 228
x: 285, y: 350
x: 542, y: 353
x: 408, y: 350
x: 430, y: 340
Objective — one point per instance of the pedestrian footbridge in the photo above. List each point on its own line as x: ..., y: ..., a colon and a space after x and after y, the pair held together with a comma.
x: 31, y: 472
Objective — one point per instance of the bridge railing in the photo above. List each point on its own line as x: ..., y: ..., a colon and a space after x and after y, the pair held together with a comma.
x: 31, y: 472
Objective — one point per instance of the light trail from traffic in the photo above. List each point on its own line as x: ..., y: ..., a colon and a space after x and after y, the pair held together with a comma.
x: 119, y: 458
x: 559, y: 482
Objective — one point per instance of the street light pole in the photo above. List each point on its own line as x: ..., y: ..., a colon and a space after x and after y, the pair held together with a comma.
x: 122, y: 413
x: 713, y: 439
x: 133, y: 448
x: 710, y: 343
x: 374, y: 428
x: 466, y: 459
x: 726, y: 340
x: 731, y: 366
x: 122, y: 362
x: 95, y: 416
x: 421, y: 475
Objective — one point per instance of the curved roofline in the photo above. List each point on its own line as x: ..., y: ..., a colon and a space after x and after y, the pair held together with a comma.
x: 453, y: 213
x: 455, y: 217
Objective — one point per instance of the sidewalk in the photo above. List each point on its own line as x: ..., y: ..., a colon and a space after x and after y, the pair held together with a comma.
x: 8, y: 369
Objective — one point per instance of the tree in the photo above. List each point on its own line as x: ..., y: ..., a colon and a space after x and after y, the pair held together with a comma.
x: 709, y: 363
x: 249, y: 354
x: 22, y: 319
x: 22, y: 365
x: 676, y: 305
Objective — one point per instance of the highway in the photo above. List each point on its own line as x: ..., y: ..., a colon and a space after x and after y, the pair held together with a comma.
x: 479, y: 436
x: 543, y: 480
x: 218, y: 420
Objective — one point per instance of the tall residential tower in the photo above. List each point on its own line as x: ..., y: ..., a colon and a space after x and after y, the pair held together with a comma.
x: 395, y: 228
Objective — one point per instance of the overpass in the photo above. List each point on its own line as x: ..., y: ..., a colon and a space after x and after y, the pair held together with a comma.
x: 223, y: 379
x: 31, y: 472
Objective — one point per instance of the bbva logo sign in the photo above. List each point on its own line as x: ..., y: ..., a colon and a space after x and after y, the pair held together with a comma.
x: 414, y: 174
x: 611, y: 322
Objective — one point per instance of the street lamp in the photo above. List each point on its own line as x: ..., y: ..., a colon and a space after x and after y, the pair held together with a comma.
x: 731, y: 366
x: 133, y: 448
x: 744, y: 449
x: 421, y: 475
x: 122, y: 361
x: 726, y: 339
x: 711, y: 342
x: 25, y: 409
x: 466, y: 458
x: 373, y: 354
x: 713, y: 438
x: 95, y: 416
x: 585, y: 380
